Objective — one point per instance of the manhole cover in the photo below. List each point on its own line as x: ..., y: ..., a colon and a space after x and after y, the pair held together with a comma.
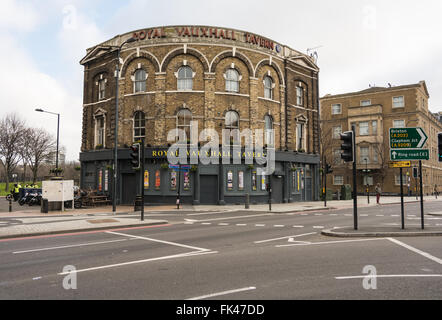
x: 102, y: 221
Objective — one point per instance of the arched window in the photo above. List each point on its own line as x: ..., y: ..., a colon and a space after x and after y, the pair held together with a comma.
x: 232, y: 80
x: 101, y: 89
x: 185, y: 78
x: 299, y: 96
x: 269, y: 137
x: 139, y: 125
x: 184, y: 117
x: 140, y: 81
x: 268, y: 87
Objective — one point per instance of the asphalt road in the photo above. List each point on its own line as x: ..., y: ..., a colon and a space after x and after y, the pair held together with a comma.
x: 231, y: 255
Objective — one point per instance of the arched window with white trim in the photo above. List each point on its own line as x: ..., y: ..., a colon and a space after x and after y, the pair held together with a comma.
x: 185, y: 78
x: 268, y: 87
x: 232, y: 80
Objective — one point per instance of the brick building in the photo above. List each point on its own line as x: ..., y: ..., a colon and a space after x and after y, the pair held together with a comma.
x: 222, y: 79
x: 374, y: 111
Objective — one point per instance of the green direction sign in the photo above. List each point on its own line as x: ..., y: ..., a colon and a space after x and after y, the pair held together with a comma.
x: 405, y: 155
x: 407, y: 138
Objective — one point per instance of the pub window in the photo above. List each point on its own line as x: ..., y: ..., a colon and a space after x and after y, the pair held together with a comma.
x: 269, y: 138
x: 184, y: 118
x: 139, y: 125
x: 232, y: 80
x: 254, y: 181
x: 140, y: 81
x: 186, y: 185
x: 240, y: 180
x: 173, y: 180
x: 268, y: 87
x: 232, y: 123
x: 157, y: 179
x: 146, y: 179
x: 230, y: 180
x: 263, y: 183
x: 185, y: 78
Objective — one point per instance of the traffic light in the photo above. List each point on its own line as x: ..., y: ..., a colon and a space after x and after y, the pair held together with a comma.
x: 439, y: 143
x: 347, y: 146
x: 135, y: 155
x: 328, y: 168
x: 415, y: 175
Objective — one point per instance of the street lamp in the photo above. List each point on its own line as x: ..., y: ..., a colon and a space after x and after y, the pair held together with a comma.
x: 117, y: 76
x: 58, y: 135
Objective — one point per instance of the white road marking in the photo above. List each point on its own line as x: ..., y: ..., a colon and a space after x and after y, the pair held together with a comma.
x: 422, y: 253
x: 379, y: 215
x: 318, y: 214
x: 279, y: 226
x: 291, y: 237
x: 160, y: 241
x: 329, y: 242
x: 222, y: 293
x: 230, y: 218
x: 36, y: 278
x: 391, y: 276
x: 205, y: 213
x: 333, y: 214
x: 70, y: 246
x: 260, y: 225
x: 223, y: 224
x: 182, y: 255
x: 206, y: 223
x: 364, y: 215
x: 411, y: 215
x: 318, y: 227
x: 298, y: 226
x: 304, y: 214
x: 241, y: 225
x: 395, y: 215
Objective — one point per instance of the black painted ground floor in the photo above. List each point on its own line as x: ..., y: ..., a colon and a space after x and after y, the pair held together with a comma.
x: 295, y: 179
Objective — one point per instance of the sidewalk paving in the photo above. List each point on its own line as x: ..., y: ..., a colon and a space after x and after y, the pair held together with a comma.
x: 31, y: 222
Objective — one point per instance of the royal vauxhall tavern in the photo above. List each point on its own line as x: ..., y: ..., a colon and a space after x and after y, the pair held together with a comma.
x: 193, y: 78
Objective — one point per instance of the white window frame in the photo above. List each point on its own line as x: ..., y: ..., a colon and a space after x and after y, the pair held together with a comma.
x: 183, y: 83
x: 143, y: 82
x: 232, y: 83
x: 402, y: 104
x: 374, y: 128
x: 140, y: 127
x: 362, y: 157
x: 367, y: 131
x: 303, y: 139
x: 333, y: 108
x: 336, y: 183
x: 101, y: 89
x: 184, y: 126
x: 269, y: 132
x: 98, y: 130
x: 397, y: 179
x: 368, y: 180
x: 268, y: 90
x: 362, y: 104
x: 403, y: 121
x: 299, y: 96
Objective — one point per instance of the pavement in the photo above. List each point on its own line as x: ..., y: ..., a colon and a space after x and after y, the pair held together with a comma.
x: 28, y: 221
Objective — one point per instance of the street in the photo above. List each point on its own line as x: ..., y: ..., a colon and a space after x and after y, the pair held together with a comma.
x: 230, y: 255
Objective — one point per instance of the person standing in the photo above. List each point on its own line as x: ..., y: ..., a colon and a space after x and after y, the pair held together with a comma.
x: 436, y: 192
x: 378, y: 192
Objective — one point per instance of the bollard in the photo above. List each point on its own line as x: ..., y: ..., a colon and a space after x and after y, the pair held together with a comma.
x: 247, y: 203
x: 10, y: 205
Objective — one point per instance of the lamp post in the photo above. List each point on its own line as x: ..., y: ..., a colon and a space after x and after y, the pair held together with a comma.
x: 117, y: 76
x: 58, y: 135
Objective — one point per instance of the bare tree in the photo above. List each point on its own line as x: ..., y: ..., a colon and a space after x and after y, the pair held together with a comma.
x: 38, y: 147
x: 12, y: 129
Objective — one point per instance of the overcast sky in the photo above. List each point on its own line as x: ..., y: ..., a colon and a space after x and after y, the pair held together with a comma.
x: 361, y: 43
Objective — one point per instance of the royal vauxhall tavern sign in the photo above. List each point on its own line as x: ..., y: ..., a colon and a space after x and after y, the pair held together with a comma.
x: 407, y: 144
x: 207, y: 32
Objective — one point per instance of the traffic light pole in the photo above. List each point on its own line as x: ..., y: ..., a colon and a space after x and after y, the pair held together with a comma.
x: 422, y: 195
x: 355, y: 188
x: 142, y: 177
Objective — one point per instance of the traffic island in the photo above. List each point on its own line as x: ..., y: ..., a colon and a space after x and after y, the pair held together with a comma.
x: 381, y: 232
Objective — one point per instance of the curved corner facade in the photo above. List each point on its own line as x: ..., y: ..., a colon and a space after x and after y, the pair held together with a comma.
x: 217, y: 78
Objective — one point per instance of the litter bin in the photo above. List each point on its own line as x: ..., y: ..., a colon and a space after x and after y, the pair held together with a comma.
x: 138, y: 203
x: 44, y: 206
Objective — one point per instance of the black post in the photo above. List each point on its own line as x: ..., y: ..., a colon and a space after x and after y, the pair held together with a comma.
x: 422, y: 195
x: 355, y: 188
x: 402, y: 201
x: 324, y: 174
x: 10, y: 205
x: 178, y: 188
x: 270, y: 193
x: 142, y: 177
x: 58, y: 138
